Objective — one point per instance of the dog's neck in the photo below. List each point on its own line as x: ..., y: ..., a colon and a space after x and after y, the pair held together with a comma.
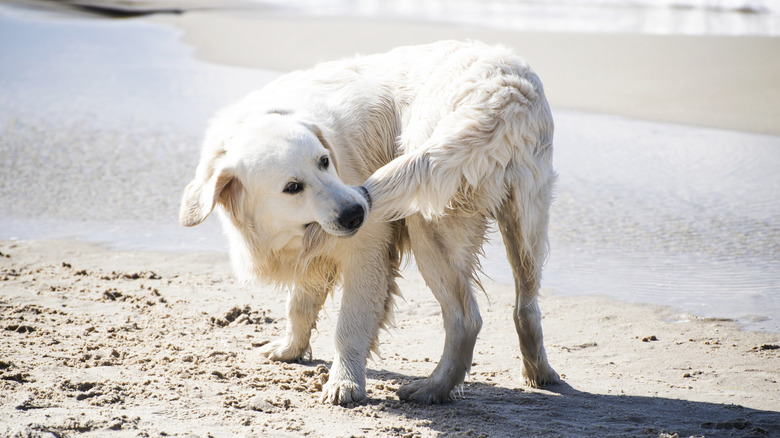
x: 285, y: 260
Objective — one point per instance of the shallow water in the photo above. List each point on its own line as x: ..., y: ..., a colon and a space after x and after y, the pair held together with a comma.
x: 102, y: 119
x: 677, y: 17
x: 667, y: 214
x: 100, y: 128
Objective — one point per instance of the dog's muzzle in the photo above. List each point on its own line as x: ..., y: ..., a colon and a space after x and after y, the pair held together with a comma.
x: 351, y: 218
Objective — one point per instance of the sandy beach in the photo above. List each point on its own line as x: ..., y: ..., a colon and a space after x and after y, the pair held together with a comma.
x: 117, y: 322
x: 100, y: 342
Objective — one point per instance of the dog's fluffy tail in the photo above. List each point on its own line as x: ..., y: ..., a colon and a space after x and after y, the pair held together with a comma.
x: 473, y: 156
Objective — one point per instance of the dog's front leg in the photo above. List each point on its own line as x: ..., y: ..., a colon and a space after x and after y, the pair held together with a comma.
x: 364, y: 307
x: 303, y: 305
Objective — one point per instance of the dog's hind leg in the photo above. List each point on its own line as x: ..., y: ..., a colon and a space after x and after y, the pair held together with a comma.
x: 303, y: 306
x: 446, y: 251
x: 525, y: 238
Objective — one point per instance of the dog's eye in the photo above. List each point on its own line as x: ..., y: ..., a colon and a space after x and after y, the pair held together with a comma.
x: 293, y: 187
x: 324, y: 162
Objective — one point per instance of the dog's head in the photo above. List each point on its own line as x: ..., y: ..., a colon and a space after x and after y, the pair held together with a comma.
x: 273, y: 172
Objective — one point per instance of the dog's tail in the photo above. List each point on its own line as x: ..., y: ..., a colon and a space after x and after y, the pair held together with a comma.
x: 472, y: 157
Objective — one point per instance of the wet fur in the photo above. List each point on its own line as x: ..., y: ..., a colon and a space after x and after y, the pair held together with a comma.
x: 435, y: 141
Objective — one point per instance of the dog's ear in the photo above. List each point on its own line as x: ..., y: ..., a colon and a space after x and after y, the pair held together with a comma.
x: 313, y: 127
x: 201, y: 196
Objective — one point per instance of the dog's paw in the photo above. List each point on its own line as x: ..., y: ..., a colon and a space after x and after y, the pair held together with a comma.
x: 538, y: 377
x: 342, y: 392
x: 425, y: 391
x: 283, y: 351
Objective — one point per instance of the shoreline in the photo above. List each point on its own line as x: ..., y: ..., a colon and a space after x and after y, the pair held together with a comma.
x: 144, y: 342
x: 622, y: 230
x: 677, y: 79
x: 665, y: 78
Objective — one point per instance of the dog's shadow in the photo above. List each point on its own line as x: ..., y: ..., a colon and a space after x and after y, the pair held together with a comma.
x: 480, y: 409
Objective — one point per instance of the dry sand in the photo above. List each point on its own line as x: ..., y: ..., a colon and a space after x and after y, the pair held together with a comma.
x: 714, y: 81
x: 100, y: 342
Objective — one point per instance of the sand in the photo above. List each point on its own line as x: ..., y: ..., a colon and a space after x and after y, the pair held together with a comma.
x: 104, y: 342
x: 677, y: 79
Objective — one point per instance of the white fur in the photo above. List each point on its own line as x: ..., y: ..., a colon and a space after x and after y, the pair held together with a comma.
x: 443, y: 138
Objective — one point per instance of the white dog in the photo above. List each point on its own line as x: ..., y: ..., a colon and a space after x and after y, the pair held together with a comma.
x: 328, y: 176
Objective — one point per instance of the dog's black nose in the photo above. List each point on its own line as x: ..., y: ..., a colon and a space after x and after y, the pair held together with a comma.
x: 352, y: 217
